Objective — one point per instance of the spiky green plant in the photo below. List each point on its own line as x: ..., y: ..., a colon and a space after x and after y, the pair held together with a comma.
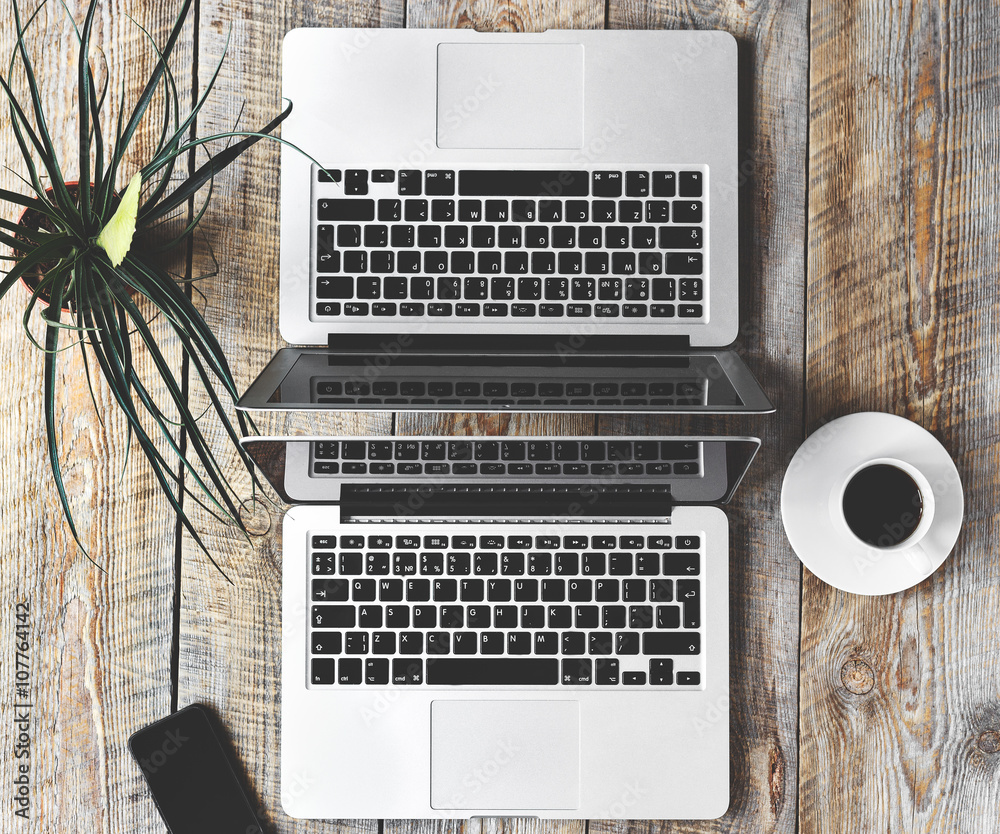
x: 87, y: 252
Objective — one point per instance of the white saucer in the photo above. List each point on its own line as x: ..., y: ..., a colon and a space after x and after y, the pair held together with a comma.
x: 823, y: 462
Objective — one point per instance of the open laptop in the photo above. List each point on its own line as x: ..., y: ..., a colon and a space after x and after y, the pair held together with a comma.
x: 537, y: 222
x: 463, y: 637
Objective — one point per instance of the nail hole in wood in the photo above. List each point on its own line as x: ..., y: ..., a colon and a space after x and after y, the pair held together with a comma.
x: 857, y: 677
x: 256, y: 517
x: 989, y: 742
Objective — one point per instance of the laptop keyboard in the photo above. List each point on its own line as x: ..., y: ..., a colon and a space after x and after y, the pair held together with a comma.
x: 513, y: 605
x: 521, y: 457
x: 482, y: 245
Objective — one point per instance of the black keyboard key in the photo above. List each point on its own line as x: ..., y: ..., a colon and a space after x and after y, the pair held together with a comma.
x: 491, y: 642
x: 640, y: 616
x: 686, y: 211
x: 607, y: 183
x: 690, y: 184
x: 439, y: 183
x: 600, y: 642
x: 472, y: 590
x: 518, y: 643
x: 377, y: 564
x: 356, y: 642
x: 637, y: 184
x: 577, y: 671
x: 677, y: 263
x: 412, y: 642
x: 613, y: 616
x: 525, y: 590
x: 634, y: 678
x: 349, y: 670
x: 376, y: 671
x: 606, y: 672
x: 342, y: 209
x: 689, y: 595
x: 330, y: 175
x: 485, y: 564
x: 606, y: 590
x: 668, y: 616
x: 479, y: 616
x: 567, y: 564
x: 438, y: 642
x: 687, y: 542
x: 587, y: 616
x: 560, y: 616
x: 689, y: 678
x: 661, y: 672
x: 505, y: 671
x: 409, y: 183
x: 333, y: 616
x: 594, y: 564
x: 465, y: 642
x: 445, y: 590
x: 523, y: 183
x: 681, y: 564
x: 363, y: 590
x: 626, y: 642
x: 408, y: 671
x: 681, y: 237
x: 664, y: 184
x: 574, y: 642
x: 498, y: 590
x: 390, y: 590
x: 326, y: 642
x: 671, y: 642
x: 497, y: 211
x: 581, y: 590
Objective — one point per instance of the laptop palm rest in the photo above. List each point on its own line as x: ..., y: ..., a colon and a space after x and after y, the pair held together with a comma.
x: 510, y: 96
x: 505, y: 755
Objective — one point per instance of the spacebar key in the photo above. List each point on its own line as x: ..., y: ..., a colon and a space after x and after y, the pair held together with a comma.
x: 523, y: 183
x: 500, y: 671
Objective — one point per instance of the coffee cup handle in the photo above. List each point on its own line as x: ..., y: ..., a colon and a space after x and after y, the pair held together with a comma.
x: 918, y: 557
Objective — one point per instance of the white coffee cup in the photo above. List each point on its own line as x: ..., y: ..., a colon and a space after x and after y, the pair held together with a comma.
x: 908, y: 546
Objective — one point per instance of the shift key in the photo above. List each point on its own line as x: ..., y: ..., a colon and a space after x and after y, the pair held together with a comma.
x: 343, y: 209
x: 671, y: 643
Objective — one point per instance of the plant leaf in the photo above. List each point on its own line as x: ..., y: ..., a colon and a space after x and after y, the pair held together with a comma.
x: 116, y: 237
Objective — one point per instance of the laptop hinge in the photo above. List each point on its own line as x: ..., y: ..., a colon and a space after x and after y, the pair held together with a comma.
x: 585, y: 502
x: 466, y: 344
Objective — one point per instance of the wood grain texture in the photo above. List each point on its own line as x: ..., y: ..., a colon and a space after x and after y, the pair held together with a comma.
x: 230, y: 635
x: 764, y: 573
x: 99, y: 642
x: 900, y: 698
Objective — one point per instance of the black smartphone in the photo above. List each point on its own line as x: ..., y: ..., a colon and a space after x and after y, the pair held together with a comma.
x: 193, y: 782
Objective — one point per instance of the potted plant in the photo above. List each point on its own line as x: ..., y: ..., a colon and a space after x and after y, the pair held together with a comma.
x: 90, y: 254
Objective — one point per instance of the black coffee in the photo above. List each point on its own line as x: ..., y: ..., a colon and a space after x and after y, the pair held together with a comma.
x: 882, y: 505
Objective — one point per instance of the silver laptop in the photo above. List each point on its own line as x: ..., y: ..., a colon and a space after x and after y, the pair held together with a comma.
x: 556, y: 212
x: 463, y: 637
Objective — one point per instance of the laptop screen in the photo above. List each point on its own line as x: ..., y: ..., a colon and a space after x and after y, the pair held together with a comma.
x: 317, y: 379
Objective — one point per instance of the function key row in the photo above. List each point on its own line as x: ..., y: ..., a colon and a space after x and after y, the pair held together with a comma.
x: 496, y: 541
x: 506, y: 450
x: 444, y: 388
x: 356, y: 181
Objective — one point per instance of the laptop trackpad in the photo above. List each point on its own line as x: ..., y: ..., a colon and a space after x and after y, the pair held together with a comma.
x: 510, y: 95
x: 505, y: 755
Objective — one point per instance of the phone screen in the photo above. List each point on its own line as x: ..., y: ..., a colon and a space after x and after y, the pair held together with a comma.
x: 191, y: 777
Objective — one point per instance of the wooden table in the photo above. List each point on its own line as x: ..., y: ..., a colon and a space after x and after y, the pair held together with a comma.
x: 870, y: 164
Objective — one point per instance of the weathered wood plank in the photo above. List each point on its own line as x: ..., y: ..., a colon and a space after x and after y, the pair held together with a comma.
x: 99, y: 642
x: 764, y: 574
x: 899, y: 697
x: 230, y: 634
